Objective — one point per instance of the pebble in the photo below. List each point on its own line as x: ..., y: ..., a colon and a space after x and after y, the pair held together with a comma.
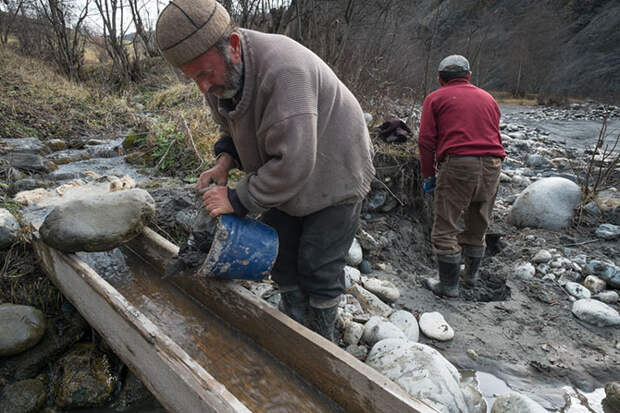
x: 433, y: 325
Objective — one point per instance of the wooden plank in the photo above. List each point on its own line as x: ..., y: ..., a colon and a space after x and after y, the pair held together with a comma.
x: 175, y: 379
x: 351, y: 383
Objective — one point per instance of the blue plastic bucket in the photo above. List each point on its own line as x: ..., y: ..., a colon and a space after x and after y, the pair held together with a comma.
x: 242, y: 249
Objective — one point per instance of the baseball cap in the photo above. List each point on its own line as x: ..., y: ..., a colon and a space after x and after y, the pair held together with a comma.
x: 454, y: 63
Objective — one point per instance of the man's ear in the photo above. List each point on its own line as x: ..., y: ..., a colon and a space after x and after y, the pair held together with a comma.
x: 235, y: 47
x: 469, y: 75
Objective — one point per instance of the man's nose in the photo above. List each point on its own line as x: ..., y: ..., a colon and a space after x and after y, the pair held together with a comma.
x: 203, y: 85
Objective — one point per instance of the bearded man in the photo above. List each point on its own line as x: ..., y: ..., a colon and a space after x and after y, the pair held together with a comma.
x: 297, y: 132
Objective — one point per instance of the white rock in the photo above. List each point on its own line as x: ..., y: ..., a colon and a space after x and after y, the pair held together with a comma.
x: 352, y: 333
x: 422, y: 371
x: 370, y: 302
x: 524, y: 270
x: 608, y: 297
x: 433, y: 325
x: 541, y: 257
x: 407, y: 323
x: 351, y: 276
x: 577, y: 290
x: 548, y: 203
x: 355, y: 255
x: 383, y: 289
x: 596, y: 312
x: 594, y: 284
x: 377, y: 329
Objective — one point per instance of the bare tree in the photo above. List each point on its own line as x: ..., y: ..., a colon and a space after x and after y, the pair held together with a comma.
x: 9, y: 9
x: 143, y: 25
x: 115, y: 27
x: 67, y: 42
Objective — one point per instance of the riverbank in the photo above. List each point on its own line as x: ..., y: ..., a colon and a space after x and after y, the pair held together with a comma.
x: 520, y: 329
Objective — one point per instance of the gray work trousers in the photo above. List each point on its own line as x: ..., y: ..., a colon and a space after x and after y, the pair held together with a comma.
x: 313, y: 248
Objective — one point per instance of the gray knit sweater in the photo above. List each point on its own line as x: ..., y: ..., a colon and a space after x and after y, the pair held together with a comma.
x: 299, y: 132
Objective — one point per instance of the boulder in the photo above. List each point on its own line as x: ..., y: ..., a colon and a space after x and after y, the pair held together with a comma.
x: 21, y: 327
x: 9, y: 227
x: 29, y: 162
x: 100, y: 223
x: 548, y: 203
x: 24, y: 145
x: 596, y: 312
x: 422, y: 371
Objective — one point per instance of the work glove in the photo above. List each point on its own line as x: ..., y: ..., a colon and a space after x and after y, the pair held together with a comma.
x: 429, y: 184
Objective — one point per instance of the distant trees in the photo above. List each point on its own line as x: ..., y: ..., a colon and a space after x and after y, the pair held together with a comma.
x: 66, y: 40
x: 377, y: 47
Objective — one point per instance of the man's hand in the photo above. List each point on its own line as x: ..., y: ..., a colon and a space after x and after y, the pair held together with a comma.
x: 429, y: 184
x: 217, y: 175
x: 215, y: 201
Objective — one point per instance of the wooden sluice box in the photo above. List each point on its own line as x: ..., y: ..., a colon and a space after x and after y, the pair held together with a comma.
x: 206, y: 345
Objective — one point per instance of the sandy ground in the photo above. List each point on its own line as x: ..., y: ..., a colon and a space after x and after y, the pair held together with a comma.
x: 520, y: 331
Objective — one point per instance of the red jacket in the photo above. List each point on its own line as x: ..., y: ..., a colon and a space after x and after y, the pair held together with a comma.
x: 458, y: 119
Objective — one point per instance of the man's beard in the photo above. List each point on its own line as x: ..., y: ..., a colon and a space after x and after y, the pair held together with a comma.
x: 234, y: 79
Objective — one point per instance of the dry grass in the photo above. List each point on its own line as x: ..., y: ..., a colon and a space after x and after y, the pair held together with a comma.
x: 37, y: 101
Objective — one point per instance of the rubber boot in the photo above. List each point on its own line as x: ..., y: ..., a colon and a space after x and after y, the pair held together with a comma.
x: 473, y: 258
x: 470, y: 275
x: 294, y: 303
x: 448, y: 283
x: 323, y: 320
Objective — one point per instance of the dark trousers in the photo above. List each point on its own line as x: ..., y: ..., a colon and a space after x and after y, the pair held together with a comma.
x: 313, y: 248
x: 466, y: 187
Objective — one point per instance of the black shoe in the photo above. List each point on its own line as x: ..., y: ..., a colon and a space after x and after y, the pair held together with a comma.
x: 448, y: 283
x: 323, y: 320
x: 295, y: 305
x: 472, y: 264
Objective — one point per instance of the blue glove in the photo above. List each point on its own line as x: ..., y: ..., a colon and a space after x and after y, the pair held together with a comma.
x: 429, y: 184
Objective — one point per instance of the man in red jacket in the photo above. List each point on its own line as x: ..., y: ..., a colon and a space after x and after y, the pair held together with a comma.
x: 459, y: 130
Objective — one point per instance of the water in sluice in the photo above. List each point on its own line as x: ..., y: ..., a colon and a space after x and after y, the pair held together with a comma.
x: 255, y: 377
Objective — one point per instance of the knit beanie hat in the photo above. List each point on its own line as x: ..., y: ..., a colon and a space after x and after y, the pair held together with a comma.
x: 188, y: 28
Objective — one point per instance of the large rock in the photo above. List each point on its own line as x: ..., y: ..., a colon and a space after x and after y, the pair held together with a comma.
x: 422, y: 371
x: 83, y: 378
x: 26, y: 145
x: 596, y: 312
x: 548, y: 203
x: 9, y: 227
x: 61, y: 333
x: 100, y: 223
x: 29, y: 162
x: 21, y: 327
x: 26, y: 396
x: 516, y: 403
